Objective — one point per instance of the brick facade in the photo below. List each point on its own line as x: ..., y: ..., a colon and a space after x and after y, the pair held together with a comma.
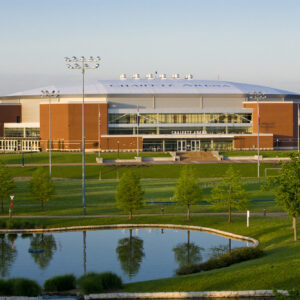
x: 246, y: 142
x: 9, y: 114
x: 278, y: 119
x: 66, y: 124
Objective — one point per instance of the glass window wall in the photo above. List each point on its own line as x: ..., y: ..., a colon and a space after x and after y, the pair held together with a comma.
x: 196, y: 118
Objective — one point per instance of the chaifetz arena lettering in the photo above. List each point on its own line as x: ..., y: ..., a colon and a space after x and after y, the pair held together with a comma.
x: 187, y: 132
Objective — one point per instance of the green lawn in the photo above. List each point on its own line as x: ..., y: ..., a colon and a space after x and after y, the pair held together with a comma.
x: 211, y: 170
x: 100, y: 198
x: 71, y: 157
x: 263, y: 153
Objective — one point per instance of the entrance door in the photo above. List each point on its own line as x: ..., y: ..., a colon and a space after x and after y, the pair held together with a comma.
x: 195, y: 145
x: 181, y: 145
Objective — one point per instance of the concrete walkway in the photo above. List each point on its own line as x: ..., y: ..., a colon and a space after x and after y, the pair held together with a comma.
x: 256, y: 214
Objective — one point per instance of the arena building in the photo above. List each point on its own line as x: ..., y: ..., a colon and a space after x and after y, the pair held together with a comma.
x: 152, y: 114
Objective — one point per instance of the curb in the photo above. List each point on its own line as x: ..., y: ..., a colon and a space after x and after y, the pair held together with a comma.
x: 186, y: 295
x: 125, y: 226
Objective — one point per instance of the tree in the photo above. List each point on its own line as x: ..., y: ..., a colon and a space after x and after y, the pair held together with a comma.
x: 129, y: 195
x: 7, y: 184
x: 187, y: 191
x: 41, y: 186
x: 130, y: 254
x: 230, y: 192
x: 288, y: 188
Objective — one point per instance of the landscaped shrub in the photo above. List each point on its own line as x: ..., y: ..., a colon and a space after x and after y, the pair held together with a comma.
x: 90, y: 283
x: 24, y: 287
x: 110, y: 281
x: 225, y: 260
x: 99, y: 282
x: 6, y: 288
x: 19, y: 224
x: 2, y: 224
x: 60, y: 283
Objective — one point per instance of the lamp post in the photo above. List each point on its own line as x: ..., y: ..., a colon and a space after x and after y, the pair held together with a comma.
x: 82, y: 64
x: 118, y: 142
x: 258, y: 97
x: 47, y: 94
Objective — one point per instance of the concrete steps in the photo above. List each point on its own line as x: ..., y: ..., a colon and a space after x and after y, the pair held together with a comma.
x: 197, y: 156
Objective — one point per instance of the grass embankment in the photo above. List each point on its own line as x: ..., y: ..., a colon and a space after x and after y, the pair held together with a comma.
x: 71, y: 157
x: 279, y: 268
x: 100, y: 197
x: 210, y: 170
x: 265, y: 154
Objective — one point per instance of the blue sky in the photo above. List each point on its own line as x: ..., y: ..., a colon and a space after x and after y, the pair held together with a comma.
x: 252, y: 41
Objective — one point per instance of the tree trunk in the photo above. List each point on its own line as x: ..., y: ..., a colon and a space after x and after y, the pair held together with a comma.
x: 295, y: 228
x: 229, y: 214
x: 130, y: 215
x: 188, y: 213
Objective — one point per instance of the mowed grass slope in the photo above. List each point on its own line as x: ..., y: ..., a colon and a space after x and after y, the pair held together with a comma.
x: 100, y: 198
x: 71, y: 157
x: 205, y: 170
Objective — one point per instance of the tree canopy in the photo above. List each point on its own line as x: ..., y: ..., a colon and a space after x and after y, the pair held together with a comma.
x: 230, y: 192
x: 7, y: 184
x: 41, y: 186
x: 129, y: 194
x: 288, y: 188
x: 187, y: 191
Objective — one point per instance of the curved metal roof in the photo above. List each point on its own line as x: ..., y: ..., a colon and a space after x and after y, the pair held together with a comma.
x: 158, y: 86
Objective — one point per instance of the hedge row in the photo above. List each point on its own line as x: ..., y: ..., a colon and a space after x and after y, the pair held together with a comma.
x: 19, y: 287
x: 17, y: 224
x: 225, y: 260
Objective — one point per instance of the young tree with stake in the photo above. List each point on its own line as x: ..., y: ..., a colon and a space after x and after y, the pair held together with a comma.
x: 129, y: 195
x: 41, y: 186
x: 187, y: 191
x: 230, y: 192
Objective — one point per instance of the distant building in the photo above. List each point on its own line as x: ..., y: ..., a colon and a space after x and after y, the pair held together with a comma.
x: 174, y: 115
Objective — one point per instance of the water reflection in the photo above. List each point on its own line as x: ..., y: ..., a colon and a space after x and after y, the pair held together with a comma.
x: 44, y: 246
x: 130, y: 253
x: 8, y: 253
x: 153, y: 254
x: 221, y: 249
x: 187, y: 253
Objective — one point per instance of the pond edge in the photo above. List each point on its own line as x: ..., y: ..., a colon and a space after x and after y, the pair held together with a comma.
x: 136, y: 226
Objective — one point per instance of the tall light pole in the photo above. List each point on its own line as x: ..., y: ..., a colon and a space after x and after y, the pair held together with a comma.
x: 258, y: 97
x: 82, y: 64
x: 47, y: 94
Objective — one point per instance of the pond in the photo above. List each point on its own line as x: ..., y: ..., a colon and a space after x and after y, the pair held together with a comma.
x: 133, y: 254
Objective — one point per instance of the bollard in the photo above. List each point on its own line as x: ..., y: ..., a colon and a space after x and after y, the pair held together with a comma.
x: 265, y: 212
x: 162, y: 210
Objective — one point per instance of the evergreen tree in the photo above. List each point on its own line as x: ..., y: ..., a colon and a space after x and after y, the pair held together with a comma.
x: 230, y: 192
x: 187, y: 191
x: 129, y: 195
